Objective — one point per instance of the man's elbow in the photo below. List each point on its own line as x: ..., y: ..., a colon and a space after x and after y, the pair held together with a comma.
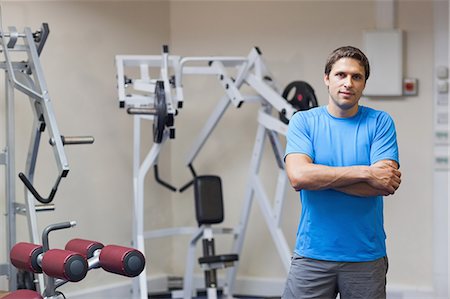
x: 298, y: 182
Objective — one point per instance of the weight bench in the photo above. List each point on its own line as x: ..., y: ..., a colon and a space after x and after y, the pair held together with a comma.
x: 209, y: 211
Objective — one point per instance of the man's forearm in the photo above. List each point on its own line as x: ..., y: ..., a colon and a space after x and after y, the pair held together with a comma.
x: 305, y: 175
x: 320, y: 177
x: 361, y: 189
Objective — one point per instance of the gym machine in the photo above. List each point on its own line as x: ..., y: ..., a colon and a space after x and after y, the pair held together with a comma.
x: 72, y: 263
x: 298, y: 95
x: 144, y: 97
x: 23, y: 72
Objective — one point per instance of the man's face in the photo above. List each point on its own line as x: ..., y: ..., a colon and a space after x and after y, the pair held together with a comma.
x: 345, y: 83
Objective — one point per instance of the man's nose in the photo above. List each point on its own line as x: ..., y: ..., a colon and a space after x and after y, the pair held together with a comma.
x: 348, y: 81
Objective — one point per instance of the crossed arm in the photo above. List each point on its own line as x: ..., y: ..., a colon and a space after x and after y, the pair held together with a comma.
x: 381, y: 178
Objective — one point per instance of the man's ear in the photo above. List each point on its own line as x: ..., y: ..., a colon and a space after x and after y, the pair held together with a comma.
x: 326, y: 79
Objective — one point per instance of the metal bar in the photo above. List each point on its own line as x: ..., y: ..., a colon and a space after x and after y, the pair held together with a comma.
x: 238, y: 243
x: 10, y: 69
x: 190, y: 263
x: 272, y: 123
x: 208, y: 128
x: 7, y: 34
x: 120, y: 79
x: 280, y: 192
x: 47, y: 108
x: 165, y: 78
x: 30, y: 166
x: 231, y: 90
x: 10, y: 187
x: 139, y: 283
x: 277, y: 235
x: 270, y: 95
x: 15, y: 65
x: 4, y: 269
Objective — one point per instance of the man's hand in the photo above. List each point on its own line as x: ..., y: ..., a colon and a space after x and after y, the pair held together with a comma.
x: 385, y: 176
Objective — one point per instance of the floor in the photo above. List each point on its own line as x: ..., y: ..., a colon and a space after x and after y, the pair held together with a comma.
x: 202, y: 295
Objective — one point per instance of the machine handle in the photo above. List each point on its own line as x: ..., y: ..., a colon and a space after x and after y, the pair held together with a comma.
x: 40, y: 37
x: 160, y: 181
x: 52, y: 227
x: 188, y: 184
x: 77, y: 140
x: 70, y: 140
x: 144, y: 111
x: 33, y: 190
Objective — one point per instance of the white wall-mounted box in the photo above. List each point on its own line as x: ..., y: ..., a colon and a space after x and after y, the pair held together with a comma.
x: 384, y: 49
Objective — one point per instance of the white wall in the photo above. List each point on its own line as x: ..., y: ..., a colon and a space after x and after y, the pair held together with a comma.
x: 295, y: 38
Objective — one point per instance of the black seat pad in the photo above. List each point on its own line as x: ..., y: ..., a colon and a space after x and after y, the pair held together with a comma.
x: 224, y: 258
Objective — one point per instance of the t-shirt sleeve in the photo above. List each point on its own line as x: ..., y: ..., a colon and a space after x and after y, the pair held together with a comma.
x: 384, y: 145
x: 298, y: 138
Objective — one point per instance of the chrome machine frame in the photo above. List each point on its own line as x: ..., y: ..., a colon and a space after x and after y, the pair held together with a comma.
x: 251, y: 70
x: 27, y: 76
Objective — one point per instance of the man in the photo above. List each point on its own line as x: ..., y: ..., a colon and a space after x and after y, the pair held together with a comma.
x: 343, y: 158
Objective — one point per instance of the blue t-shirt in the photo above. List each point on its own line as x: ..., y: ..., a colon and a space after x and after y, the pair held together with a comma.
x: 335, y: 226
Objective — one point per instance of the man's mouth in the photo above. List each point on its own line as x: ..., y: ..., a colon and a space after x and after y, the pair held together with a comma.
x: 346, y: 93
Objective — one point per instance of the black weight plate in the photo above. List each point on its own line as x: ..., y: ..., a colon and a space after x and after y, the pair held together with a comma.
x: 160, y: 118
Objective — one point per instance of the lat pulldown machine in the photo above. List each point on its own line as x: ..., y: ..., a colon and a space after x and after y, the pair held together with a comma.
x: 26, y: 75
x: 143, y: 97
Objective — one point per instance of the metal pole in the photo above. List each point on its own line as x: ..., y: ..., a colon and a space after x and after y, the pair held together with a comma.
x: 10, y: 187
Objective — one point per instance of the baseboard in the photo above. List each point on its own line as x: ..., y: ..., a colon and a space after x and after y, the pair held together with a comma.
x: 244, y: 286
x: 410, y: 292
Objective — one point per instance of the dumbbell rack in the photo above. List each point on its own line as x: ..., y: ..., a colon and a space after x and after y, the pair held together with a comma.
x: 26, y: 76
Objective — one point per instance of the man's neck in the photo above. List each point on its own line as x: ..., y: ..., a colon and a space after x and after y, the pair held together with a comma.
x: 342, y: 113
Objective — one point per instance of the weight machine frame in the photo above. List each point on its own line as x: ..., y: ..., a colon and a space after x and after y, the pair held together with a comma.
x: 27, y: 76
x: 251, y: 70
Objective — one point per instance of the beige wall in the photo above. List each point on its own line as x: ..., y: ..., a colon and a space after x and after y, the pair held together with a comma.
x: 78, y: 61
x: 295, y: 37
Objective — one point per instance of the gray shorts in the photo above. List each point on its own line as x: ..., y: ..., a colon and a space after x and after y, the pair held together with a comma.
x: 310, y: 278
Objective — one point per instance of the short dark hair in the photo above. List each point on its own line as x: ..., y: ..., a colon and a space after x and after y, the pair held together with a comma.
x: 348, y: 52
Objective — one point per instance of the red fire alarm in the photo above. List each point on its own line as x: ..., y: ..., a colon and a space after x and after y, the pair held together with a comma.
x: 409, y: 87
